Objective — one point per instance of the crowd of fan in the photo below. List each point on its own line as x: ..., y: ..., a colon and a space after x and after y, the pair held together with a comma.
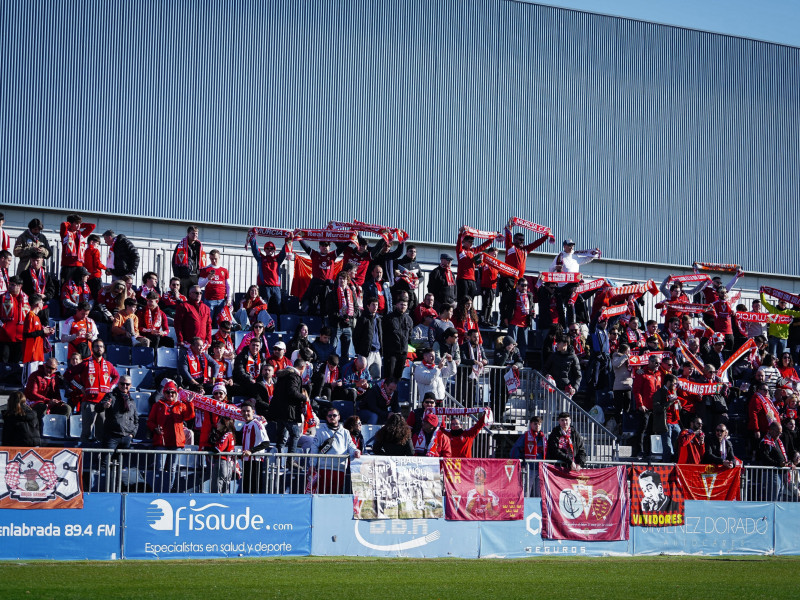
x: 374, y: 323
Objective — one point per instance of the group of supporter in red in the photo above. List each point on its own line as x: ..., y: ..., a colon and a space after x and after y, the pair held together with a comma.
x: 680, y: 378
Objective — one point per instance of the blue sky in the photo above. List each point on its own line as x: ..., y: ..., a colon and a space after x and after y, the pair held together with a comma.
x: 769, y: 20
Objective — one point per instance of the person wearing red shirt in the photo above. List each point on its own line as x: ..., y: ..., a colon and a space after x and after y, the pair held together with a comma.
x: 667, y: 417
x: 430, y: 440
x: 269, y: 274
x: 725, y: 318
x: 645, y: 384
x: 95, y: 378
x: 425, y: 308
x: 166, y: 422
x: 172, y: 297
x: 73, y: 244
x: 692, y: 444
x: 14, y: 308
x: 94, y: 264
x: 42, y: 391
x: 215, y: 281
x: 461, y: 439
x: 193, y: 319
x: 465, y: 255
x: 321, y: 276
x: 489, y: 276
x: 360, y: 256
x: 75, y: 291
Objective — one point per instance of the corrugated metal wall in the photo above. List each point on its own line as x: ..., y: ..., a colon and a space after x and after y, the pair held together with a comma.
x: 655, y: 143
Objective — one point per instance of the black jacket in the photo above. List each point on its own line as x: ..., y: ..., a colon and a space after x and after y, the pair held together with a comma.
x: 386, y: 448
x: 713, y: 455
x: 563, y: 455
x: 332, y: 310
x: 396, y: 332
x: 373, y: 401
x: 508, y: 303
x: 565, y: 369
x: 437, y: 285
x: 366, y: 325
x: 126, y: 257
x: 50, y: 289
x: 21, y: 430
x: 287, y: 398
x: 119, y: 422
x: 240, y: 374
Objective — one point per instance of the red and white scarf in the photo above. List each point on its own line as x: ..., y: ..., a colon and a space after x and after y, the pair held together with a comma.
x: 534, y: 445
x: 326, y: 235
x: 9, y: 304
x: 530, y: 226
x: 699, y: 389
x: 253, y: 365
x: 586, y: 287
x: 769, y: 407
x: 548, y: 277
x: 758, y: 317
x: 346, y: 303
x: 716, y: 267
x: 777, y: 442
x: 448, y: 275
x: 182, y: 254
x: 636, y: 290
x: 565, y: 441
x: 39, y: 280
x: 686, y: 307
x: 198, y: 365
x: 502, y: 268
x: 479, y: 233
x: 216, y: 407
x: 612, y: 311
x: 387, y: 397
x: 744, y: 349
x: 101, y: 383
x: 692, y: 278
x: 781, y: 295
x: 424, y: 449
x: 266, y: 232
x: 331, y: 374
x: 152, y: 323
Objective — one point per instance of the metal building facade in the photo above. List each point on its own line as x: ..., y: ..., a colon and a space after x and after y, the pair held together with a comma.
x: 655, y: 143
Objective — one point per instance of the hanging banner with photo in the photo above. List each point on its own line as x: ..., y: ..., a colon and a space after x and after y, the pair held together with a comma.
x: 483, y: 489
x: 396, y: 487
x: 585, y: 505
x: 41, y: 478
x: 656, y: 496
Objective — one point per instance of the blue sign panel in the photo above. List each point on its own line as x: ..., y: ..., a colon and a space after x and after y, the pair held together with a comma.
x: 712, y: 528
x: 336, y: 533
x: 92, y: 532
x: 518, y: 539
x: 216, y: 525
x: 787, y: 516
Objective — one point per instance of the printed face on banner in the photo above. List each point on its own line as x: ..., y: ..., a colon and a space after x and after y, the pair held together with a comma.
x: 40, y: 478
x: 483, y: 489
x: 386, y: 487
x: 656, y: 496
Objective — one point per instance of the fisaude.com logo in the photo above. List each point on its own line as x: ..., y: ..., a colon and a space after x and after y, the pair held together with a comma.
x: 214, y: 516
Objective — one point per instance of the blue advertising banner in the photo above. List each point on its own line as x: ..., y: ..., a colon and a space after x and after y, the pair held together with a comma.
x: 518, y: 539
x: 336, y: 533
x: 91, y: 532
x: 712, y: 528
x: 787, y: 516
x: 216, y: 525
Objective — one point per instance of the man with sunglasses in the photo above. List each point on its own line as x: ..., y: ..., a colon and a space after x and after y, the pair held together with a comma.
x: 719, y: 450
x: 121, y: 418
x: 334, y: 440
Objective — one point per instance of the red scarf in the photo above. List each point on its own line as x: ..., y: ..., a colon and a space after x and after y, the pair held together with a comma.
x: 534, y: 445
x: 152, y: 323
x: 523, y: 303
x: 75, y: 292
x: 253, y: 365
x: 101, y: 383
x: 386, y: 396
x: 225, y: 339
x: 430, y: 365
x: 182, y: 254
x: 448, y: 275
x: 198, y: 365
x: 9, y: 305
x: 346, y: 304
x: 769, y: 407
x: 420, y: 447
x: 331, y: 374
x: 565, y: 441
x: 776, y: 442
x: 74, y: 244
x: 39, y: 280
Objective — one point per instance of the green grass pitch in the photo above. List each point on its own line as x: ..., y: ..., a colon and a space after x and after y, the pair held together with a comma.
x: 670, y: 578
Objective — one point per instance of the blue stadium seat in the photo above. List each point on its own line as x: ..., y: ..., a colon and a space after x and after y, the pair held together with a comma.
x: 167, y: 358
x: 404, y: 391
x: 75, y: 426
x: 103, y: 331
x: 237, y: 299
x: 142, y: 356
x: 291, y: 304
x: 345, y: 409
x: 273, y: 338
x: 314, y: 324
x: 238, y: 336
x: 288, y: 323
x: 61, y: 352
x: 137, y: 377
x: 142, y: 400
x: 54, y: 427
x: 118, y: 355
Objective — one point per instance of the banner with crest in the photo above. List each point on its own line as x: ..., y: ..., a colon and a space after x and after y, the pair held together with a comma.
x: 483, y: 489
x: 40, y: 478
x: 585, y: 505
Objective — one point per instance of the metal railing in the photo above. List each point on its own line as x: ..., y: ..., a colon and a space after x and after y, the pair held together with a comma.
x: 535, y: 396
x: 186, y: 471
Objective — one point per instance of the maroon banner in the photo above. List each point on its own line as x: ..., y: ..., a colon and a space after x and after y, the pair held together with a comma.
x: 586, y: 505
x: 483, y: 489
x: 41, y: 478
x: 656, y: 497
x: 699, y: 389
x: 781, y: 295
x: 710, y: 482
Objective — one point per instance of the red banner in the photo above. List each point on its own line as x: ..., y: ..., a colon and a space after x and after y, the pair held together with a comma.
x: 586, y: 505
x: 41, y: 478
x: 690, y: 278
x: 781, y: 295
x: 530, y: 226
x: 656, y: 497
x: 699, y: 389
x: 483, y: 489
x: 710, y: 482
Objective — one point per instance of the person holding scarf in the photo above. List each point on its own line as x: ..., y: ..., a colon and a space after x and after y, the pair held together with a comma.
x: 517, y: 311
x: 430, y: 439
x: 465, y: 252
x: 430, y: 377
x: 166, y: 423
x: 692, y: 444
x: 342, y: 312
x: 73, y: 244
x: 188, y: 259
x: 565, y: 445
x: 95, y: 378
x: 196, y: 370
x: 761, y: 413
x: 246, y: 371
x: 441, y: 283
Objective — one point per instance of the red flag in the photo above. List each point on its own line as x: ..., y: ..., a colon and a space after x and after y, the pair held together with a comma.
x: 710, y: 482
x: 41, y: 478
x: 483, y: 489
x: 586, y: 505
x: 656, y: 496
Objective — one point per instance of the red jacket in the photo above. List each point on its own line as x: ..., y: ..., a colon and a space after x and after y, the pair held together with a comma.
x: 645, y: 385
x: 461, y: 444
x: 92, y: 262
x: 517, y: 256
x: 41, y: 388
x: 170, y: 417
x: 192, y: 320
x: 466, y: 258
